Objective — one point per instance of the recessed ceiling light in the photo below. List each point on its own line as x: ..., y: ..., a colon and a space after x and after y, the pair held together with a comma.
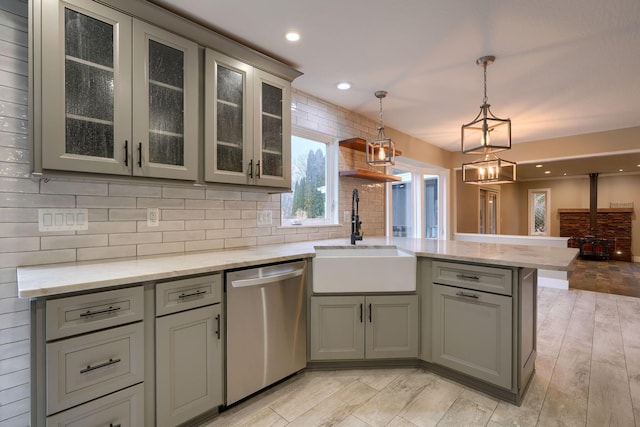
x: 547, y: 172
x: 292, y: 36
x: 565, y: 174
x: 619, y: 170
x: 538, y: 166
x: 344, y: 85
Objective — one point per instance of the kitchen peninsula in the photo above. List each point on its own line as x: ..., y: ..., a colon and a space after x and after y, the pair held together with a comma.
x: 475, y: 321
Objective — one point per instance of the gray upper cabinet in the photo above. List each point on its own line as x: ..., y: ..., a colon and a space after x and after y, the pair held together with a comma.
x: 118, y: 96
x: 247, y: 124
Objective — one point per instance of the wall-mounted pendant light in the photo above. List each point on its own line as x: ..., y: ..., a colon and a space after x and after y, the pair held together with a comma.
x: 487, y: 135
x: 381, y: 150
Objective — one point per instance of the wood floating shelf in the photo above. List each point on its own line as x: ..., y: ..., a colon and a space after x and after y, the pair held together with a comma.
x: 359, y: 144
x: 370, y: 175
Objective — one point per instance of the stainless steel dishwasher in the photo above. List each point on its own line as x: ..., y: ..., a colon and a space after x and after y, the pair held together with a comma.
x: 266, y: 327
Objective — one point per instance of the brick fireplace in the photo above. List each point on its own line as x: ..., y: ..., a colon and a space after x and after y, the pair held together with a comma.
x: 612, y: 234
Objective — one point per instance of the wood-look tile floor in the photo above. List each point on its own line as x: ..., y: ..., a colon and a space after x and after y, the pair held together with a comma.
x: 587, y: 374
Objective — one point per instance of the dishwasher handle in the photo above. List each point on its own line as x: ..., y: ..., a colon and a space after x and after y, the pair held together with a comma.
x: 257, y: 281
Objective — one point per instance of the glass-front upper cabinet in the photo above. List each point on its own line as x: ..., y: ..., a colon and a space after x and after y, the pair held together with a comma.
x: 247, y: 124
x: 228, y: 119
x: 103, y: 113
x: 273, y: 130
x: 165, y: 103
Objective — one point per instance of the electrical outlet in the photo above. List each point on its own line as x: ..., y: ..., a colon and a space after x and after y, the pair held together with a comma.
x: 153, y: 217
x: 265, y: 217
x: 346, y: 217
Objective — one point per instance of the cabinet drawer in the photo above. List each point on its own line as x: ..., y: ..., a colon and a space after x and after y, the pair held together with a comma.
x: 489, y: 279
x: 99, y: 310
x: 179, y: 295
x: 124, y: 408
x: 86, y: 367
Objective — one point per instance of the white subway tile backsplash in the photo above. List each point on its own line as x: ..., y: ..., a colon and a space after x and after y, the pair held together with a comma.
x: 176, y: 214
x: 212, y: 194
x: 258, y: 197
x: 19, y: 244
x: 8, y: 275
x: 183, y: 236
x: 204, y: 245
x: 206, y: 224
x: 183, y: 193
x: 98, y: 215
x: 20, y: 200
x: 9, y: 305
x: 254, y: 232
x: 108, y: 227
x: 126, y: 214
x: 160, y: 203
x: 74, y: 187
x: 161, y: 248
x: 14, y: 394
x: 18, y: 318
x: 270, y: 240
x: 8, y: 290
x: 240, y: 223
x: 249, y: 205
x: 106, y: 252
x: 203, y: 204
x: 223, y: 234
x: 78, y: 241
x: 143, y: 227
x: 134, y: 238
x: 290, y: 238
x: 106, y: 202
x: 17, y: 259
x: 14, y: 349
x: 240, y: 243
x: 18, y: 185
x: 16, y: 334
x: 223, y: 214
x: 134, y: 190
x: 18, y: 229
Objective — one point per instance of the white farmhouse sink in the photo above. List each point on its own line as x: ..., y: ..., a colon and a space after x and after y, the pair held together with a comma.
x: 363, y: 269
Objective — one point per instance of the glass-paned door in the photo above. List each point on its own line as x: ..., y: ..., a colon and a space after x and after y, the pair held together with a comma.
x: 165, y: 104
x: 430, y: 206
x: 228, y: 113
x: 86, y: 87
x: 274, y: 130
x: 402, y: 197
x: 539, y: 208
x: 488, y: 212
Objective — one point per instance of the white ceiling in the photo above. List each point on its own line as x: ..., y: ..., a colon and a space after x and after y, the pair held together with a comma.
x: 563, y: 67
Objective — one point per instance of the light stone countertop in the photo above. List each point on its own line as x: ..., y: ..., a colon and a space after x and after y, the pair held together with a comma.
x: 54, y: 279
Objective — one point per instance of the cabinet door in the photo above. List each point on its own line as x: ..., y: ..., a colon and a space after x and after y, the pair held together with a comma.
x: 86, y: 87
x: 472, y: 333
x: 272, y: 130
x: 228, y: 120
x: 188, y: 364
x: 337, y: 328
x: 165, y: 99
x: 392, y: 326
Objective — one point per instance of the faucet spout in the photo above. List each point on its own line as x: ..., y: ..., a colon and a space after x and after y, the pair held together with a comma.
x: 355, y: 217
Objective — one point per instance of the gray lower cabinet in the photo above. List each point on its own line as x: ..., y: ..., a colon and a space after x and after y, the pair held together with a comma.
x: 364, y: 327
x: 482, y: 323
x: 188, y: 349
x: 472, y: 333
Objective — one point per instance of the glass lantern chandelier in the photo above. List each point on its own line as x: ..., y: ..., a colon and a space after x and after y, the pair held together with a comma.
x: 381, y: 150
x: 487, y: 135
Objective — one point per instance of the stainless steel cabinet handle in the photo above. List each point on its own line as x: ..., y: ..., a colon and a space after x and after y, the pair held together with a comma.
x: 462, y: 294
x: 191, y: 295
x: 109, y: 310
x: 266, y: 279
x: 218, y: 326
x: 467, y: 277
x: 90, y: 368
x: 126, y: 153
x: 140, y: 154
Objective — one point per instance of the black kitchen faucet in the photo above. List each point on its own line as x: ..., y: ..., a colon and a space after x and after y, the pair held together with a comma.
x: 355, y: 218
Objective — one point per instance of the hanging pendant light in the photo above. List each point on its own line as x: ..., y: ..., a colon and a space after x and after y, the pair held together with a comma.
x: 381, y: 150
x: 487, y: 135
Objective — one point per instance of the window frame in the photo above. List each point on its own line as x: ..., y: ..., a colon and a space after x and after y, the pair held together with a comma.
x: 331, y: 181
x: 531, y: 211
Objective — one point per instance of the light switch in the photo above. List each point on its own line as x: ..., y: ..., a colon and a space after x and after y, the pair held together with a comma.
x: 62, y: 219
x: 58, y: 219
